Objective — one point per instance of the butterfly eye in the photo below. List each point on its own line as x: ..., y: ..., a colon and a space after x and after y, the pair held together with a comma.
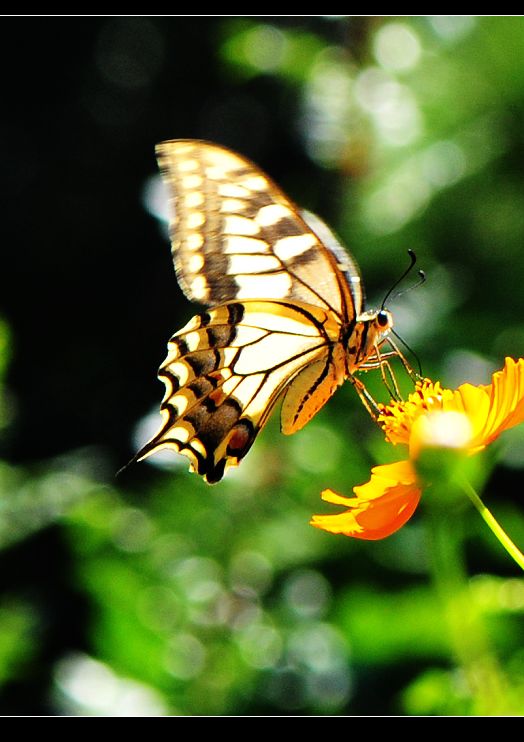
x: 382, y: 318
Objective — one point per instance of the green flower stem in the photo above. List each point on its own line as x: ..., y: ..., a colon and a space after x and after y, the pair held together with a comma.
x: 497, y: 529
x: 462, y: 621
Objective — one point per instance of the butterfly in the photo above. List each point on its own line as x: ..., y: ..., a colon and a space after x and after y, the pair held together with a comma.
x: 285, y: 316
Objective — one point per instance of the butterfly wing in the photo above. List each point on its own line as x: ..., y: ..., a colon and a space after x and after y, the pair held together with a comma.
x: 280, y: 288
x: 226, y: 370
x: 235, y: 235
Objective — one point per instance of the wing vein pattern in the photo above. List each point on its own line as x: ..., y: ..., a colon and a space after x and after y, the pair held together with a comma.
x: 282, y: 295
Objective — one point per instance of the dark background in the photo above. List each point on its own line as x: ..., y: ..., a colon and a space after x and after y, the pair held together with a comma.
x: 129, y: 588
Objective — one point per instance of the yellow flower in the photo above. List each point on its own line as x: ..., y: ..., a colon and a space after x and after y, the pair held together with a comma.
x: 468, y: 418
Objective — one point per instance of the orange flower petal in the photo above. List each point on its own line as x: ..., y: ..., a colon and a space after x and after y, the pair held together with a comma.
x: 381, y: 506
x: 495, y: 407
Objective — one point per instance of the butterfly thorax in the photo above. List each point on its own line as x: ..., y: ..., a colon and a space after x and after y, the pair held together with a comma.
x: 371, y: 329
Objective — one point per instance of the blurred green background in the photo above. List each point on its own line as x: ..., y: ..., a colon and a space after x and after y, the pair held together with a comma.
x: 152, y: 593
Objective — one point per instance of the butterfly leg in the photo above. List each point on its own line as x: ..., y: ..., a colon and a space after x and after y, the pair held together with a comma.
x: 365, y: 397
x: 381, y: 360
x: 386, y: 371
x: 388, y: 377
x: 413, y: 375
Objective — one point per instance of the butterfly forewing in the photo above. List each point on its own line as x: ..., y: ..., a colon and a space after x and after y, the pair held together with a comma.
x: 235, y: 235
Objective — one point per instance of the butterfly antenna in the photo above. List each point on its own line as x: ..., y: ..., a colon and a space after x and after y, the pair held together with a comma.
x: 422, y: 278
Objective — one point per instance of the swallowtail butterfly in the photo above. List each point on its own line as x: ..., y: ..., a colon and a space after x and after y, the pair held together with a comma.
x: 285, y: 316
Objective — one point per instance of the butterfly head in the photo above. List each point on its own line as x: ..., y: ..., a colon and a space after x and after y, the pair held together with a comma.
x: 379, y: 324
x: 371, y: 329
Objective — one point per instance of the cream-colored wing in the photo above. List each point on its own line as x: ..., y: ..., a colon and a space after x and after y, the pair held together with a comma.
x: 235, y: 235
x: 225, y: 371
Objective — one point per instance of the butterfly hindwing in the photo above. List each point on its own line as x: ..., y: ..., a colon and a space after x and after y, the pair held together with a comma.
x: 310, y: 391
x: 225, y: 371
x: 235, y: 235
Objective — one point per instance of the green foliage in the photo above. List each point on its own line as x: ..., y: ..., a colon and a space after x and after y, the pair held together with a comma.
x: 18, y: 639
